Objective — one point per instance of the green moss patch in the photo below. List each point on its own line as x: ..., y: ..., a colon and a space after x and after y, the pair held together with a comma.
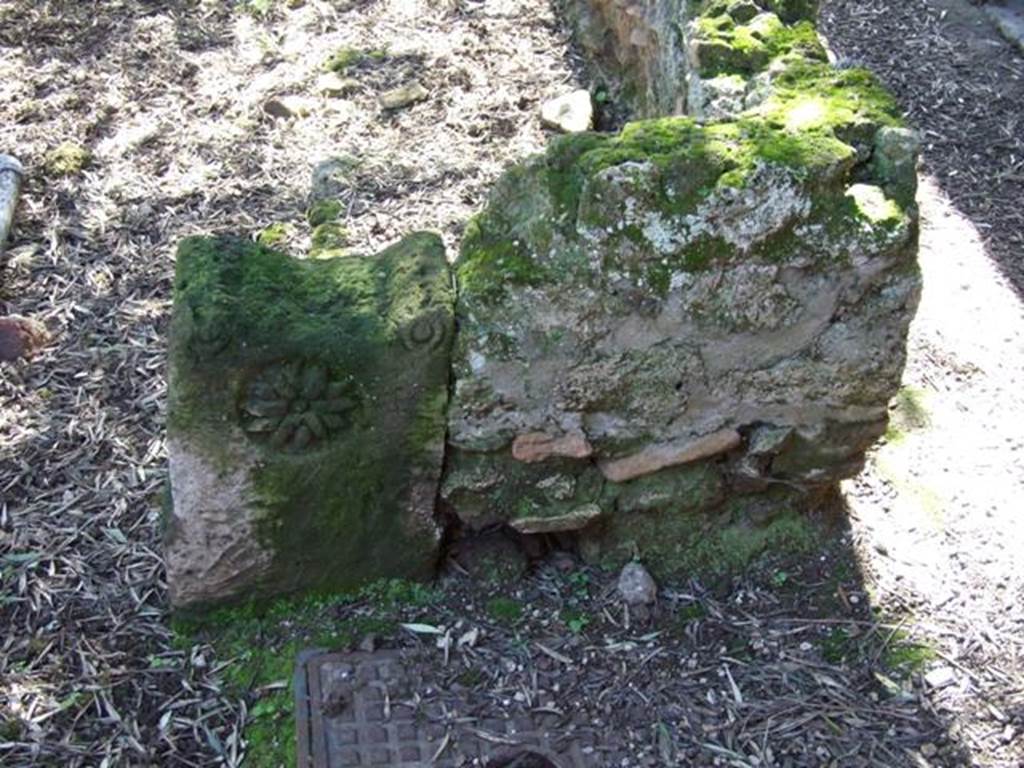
x: 276, y: 234
x: 814, y: 97
x: 906, y: 657
x: 527, y: 236
x: 67, y: 159
x: 347, y: 59
x: 504, y: 610
x: 553, y: 489
x: 726, y: 45
x: 329, y: 236
x: 324, y: 212
x: 490, y: 262
x: 259, y: 643
x: 694, y: 537
x: 909, y: 413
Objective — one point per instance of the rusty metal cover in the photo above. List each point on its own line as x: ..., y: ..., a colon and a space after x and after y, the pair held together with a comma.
x: 364, y: 709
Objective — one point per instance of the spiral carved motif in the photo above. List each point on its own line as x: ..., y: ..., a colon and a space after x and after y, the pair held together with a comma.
x: 428, y: 332
x: 295, y: 405
x: 209, y: 338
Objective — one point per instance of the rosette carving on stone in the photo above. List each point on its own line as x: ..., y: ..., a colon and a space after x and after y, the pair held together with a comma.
x: 295, y: 405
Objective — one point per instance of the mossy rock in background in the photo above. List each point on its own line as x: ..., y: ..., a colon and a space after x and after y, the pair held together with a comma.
x: 306, y: 417
x: 669, y: 57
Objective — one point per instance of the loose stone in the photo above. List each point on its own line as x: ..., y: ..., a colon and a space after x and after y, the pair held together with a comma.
x: 636, y: 585
x: 333, y: 84
x: 571, y: 113
x: 402, y: 97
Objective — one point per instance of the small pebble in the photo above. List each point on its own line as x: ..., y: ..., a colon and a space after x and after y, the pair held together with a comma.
x: 940, y: 677
x: 636, y: 586
x: 402, y: 97
x: 571, y: 113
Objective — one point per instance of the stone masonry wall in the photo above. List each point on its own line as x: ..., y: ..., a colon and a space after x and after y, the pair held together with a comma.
x: 675, y: 340
x: 672, y: 342
x: 637, y: 45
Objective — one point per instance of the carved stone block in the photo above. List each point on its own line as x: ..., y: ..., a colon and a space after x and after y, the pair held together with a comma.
x: 306, y: 418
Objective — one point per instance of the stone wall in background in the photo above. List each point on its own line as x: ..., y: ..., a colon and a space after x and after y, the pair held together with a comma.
x: 707, y: 59
x: 637, y: 47
x: 306, y: 417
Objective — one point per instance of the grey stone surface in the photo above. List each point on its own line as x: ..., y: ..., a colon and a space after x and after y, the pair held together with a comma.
x: 332, y: 177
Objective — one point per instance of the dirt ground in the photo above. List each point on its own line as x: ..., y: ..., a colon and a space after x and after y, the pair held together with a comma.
x: 937, y: 511
x: 815, y: 662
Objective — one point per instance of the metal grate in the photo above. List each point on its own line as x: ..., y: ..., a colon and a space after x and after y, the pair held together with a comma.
x: 365, y: 709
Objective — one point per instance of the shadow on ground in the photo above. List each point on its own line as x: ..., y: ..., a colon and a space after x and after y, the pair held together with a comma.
x: 74, y: 32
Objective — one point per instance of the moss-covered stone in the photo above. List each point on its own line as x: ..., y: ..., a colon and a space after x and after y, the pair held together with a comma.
x: 276, y: 234
x: 328, y: 236
x: 346, y: 59
x: 648, y: 292
x: 737, y: 51
x: 495, y: 488
x: 324, y: 212
x: 677, y: 540
x: 894, y: 162
x: 813, y: 97
x: 679, y: 490
x: 719, y: 44
x: 589, y: 187
x: 306, y: 417
x: 67, y: 159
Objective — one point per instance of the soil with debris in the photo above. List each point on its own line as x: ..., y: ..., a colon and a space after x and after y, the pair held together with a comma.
x: 936, y: 513
x: 787, y: 666
x: 208, y: 117
x: 962, y: 85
